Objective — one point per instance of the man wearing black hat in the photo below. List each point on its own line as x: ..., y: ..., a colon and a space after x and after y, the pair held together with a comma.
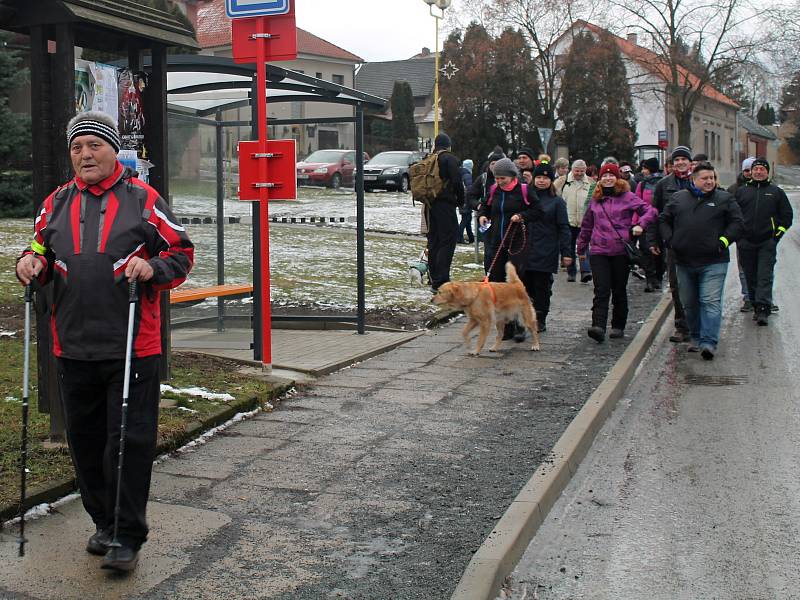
x: 525, y: 164
x: 767, y: 216
x: 91, y: 237
x: 442, y: 218
x: 679, y: 179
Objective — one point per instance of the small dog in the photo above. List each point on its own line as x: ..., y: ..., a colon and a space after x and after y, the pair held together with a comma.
x: 485, y: 303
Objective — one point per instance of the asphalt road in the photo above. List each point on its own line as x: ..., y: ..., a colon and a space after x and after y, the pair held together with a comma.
x: 691, y: 489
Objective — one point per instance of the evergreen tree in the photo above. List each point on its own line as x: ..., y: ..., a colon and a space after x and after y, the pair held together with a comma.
x: 491, y: 101
x: 596, y: 105
x: 766, y: 115
x: 404, y: 130
x: 15, y: 143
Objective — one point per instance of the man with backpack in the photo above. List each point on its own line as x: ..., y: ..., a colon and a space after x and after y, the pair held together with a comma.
x: 436, y: 183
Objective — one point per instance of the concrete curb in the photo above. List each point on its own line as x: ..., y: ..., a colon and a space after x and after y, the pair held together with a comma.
x: 507, y: 542
x: 50, y: 492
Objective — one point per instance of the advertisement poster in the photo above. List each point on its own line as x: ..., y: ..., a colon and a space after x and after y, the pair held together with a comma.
x: 96, y: 88
x: 131, y: 111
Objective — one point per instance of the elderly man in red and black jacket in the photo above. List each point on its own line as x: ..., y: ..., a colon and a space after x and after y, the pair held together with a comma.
x: 91, y: 236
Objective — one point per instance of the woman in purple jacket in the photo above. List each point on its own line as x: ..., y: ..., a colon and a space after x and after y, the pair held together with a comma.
x: 607, y: 222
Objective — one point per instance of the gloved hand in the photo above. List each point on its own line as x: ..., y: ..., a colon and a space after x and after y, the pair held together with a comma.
x: 723, y: 245
x: 779, y: 234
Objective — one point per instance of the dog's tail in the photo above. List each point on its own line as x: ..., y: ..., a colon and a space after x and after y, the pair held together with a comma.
x: 511, y: 274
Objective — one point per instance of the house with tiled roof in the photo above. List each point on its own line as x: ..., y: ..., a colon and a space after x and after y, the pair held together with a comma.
x: 315, y: 56
x: 758, y: 140
x: 378, y: 78
x: 715, y: 131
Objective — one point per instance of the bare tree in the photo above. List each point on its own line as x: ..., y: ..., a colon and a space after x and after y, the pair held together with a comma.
x: 694, y: 44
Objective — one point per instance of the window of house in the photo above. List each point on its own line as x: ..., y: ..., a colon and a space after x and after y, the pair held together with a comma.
x: 719, y: 147
x: 337, y: 79
x: 712, y: 154
x: 672, y: 133
x: 318, y: 75
x: 706, y: 149
x: 732, y: 160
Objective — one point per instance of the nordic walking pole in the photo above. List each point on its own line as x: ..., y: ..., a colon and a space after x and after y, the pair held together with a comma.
x: 132, y: 299
x: 23, y: 469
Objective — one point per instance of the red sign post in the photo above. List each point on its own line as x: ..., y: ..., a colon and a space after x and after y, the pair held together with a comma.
x: 266, y: 169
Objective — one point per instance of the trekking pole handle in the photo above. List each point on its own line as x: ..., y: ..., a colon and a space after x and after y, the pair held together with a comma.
x: 28, y: 292
x: 133, y: 289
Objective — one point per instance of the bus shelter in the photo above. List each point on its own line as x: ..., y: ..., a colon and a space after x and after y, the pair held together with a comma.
x: 203, y: 89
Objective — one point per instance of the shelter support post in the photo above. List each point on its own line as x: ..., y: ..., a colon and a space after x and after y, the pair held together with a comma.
x: 361, y: 285
x: 220, y: 220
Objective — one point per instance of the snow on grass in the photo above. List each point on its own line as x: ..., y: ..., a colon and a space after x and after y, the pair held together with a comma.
x: 196, y: 392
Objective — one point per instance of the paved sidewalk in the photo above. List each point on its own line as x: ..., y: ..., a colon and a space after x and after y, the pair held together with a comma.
x: 378, y: 482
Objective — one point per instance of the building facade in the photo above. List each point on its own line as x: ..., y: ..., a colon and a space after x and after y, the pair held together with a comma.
x: 714, y: 120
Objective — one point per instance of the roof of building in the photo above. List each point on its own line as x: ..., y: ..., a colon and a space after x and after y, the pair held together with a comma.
x: 754, y: 128
x: 656, y: 64
x: 214, y: 29
x: 99, y: 23
x: 378, y: 78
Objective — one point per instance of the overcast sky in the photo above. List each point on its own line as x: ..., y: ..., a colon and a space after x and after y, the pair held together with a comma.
x: 375, y: 30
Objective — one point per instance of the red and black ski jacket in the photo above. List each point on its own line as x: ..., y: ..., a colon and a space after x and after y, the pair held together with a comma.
x: 85, y: 235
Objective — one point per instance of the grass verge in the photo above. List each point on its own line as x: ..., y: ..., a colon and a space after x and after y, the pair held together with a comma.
x: 187, y: 417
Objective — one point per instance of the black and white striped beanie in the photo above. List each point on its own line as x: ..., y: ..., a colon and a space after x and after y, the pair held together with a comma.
x: 94, y: 123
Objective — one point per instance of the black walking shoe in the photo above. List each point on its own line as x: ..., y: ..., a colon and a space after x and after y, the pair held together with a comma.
x: 508, y: 331
x: 519, y: 333
x: 586, y: 278
x: 98, y: 543
x: 616, y: 333
x: 747, y: 306
x: 598, y: 334
x: 679, y: 337
x: 762, y: 317
x: 571, y: 278
x: 120, y: 558
x: 774, y: 308
x: 707, y: 352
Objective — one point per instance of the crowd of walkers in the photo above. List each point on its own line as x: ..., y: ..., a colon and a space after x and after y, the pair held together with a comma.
x: 602, y: 223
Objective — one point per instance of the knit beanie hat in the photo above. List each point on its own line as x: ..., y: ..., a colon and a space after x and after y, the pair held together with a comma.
x: 747, y: 163
x: 698, y: 158
x: 544, y: 169
x: 527, y: 152
x: 681, y: 151
x: 651, y: 164
x: 609, y: 168
x: 505, y: 167
x: 442, y: 141
x: 94, y: 123
x: 761, y: 161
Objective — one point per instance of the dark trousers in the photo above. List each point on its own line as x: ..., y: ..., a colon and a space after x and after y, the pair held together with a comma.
x: 498, y: 272
x: 652, y: 264
x: 539, y: 286
x: 610, y: 283
x: 92, y: 396
x: 584, y: 264
x: 680, y: 315
x: 442, y: 236
x: 466, y: 225
x: 758, y: 261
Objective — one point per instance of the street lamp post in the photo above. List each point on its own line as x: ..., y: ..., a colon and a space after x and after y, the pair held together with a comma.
x: 442, y: 5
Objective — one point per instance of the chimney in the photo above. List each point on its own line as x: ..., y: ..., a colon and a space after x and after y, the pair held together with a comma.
x: 425, y: 51
x: 633, y: 39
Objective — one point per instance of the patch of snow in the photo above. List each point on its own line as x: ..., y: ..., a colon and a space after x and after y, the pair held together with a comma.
x: 41, y: 510
x: 198, y: 392
x: 4, y: 333
x: 189, y: 410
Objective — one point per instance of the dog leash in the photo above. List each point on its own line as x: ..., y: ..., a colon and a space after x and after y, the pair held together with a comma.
x: 497, y: 254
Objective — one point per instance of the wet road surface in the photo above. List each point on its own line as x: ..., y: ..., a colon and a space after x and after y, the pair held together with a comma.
x: 691, y: 489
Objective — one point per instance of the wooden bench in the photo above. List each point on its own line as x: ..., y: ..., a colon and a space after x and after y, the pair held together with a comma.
x: 195, y: 295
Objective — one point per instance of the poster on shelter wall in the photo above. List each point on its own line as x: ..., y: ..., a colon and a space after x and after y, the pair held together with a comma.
x: 131, y: 110
x: 96, y: 88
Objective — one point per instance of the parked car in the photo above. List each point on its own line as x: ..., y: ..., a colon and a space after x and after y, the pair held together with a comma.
x: 389, y: 170
x: 331, y: 168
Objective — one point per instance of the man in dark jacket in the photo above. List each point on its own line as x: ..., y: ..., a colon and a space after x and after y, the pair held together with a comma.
x: 91, y: 237
x: 465, y: 210
x: 742, y: 179
x: 767, y: 215
x: 664, y: 191
x: 442, y: 219
x: 698, y: 225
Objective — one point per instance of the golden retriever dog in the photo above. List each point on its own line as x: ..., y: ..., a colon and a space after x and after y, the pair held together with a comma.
x: 487, y: 303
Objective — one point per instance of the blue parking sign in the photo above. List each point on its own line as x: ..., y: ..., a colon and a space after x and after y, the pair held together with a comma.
x: 256, y: 8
